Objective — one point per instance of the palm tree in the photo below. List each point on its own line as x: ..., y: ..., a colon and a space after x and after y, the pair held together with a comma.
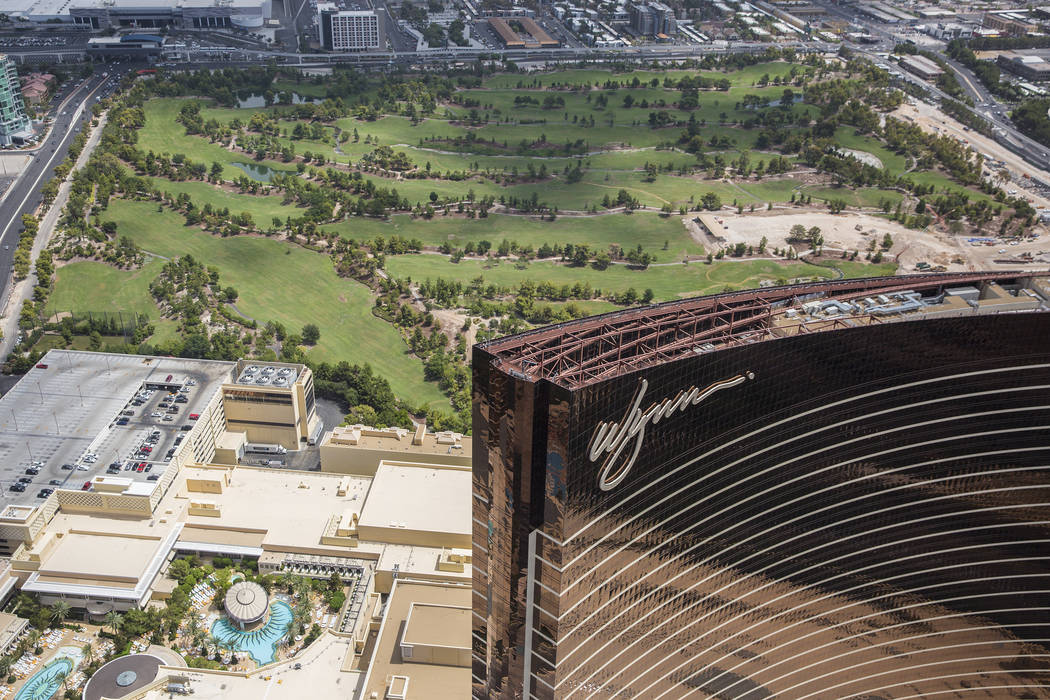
x: 113, y: 620
x: 198, y: 639
x: 87, y: 650
x: 214, y: 644
x: 59, y: 612
x: 32, y: 638
x: 5, y: 664
x: 63, y: 679
x: 300, y: 616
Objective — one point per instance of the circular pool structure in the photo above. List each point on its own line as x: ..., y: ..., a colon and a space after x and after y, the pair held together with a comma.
x: 246, y: 603
x: 260, y: 643
x: 122, y: 676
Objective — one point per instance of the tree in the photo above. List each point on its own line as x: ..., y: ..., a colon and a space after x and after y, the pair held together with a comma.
x: 113, y: 620
x: 311, y: 334
x: 59, y: 612
x: 711, y: 201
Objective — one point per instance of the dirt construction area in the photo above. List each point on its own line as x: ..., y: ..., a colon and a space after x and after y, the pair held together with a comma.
x: 855, y: 231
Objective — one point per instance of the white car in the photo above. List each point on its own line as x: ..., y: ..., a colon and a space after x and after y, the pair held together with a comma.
x: 82, y: 468
x: 156, y: 414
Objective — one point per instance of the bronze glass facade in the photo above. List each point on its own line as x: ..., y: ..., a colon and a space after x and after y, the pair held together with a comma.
x: 855, y: 513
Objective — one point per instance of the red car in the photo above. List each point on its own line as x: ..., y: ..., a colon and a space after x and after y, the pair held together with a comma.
x: 41, y: 366
x: 86, y: 486
x: 194, y: 416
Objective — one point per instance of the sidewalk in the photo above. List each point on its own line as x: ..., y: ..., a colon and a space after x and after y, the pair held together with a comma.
x: 22, y: 290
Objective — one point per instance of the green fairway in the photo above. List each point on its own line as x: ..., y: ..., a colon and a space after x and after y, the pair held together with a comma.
x: 162, y: 134
x: 743, y: 77
x: 281, y: 282
x: 628, y: 231
x: 847, y: 137
x: 92, y: 286
x: 667, y: 282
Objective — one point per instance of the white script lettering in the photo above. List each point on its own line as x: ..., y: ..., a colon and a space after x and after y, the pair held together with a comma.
x: 613, y: 438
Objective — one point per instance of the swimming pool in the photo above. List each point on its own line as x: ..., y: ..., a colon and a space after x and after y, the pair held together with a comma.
x: 261, y: 644
x: 43, y: 684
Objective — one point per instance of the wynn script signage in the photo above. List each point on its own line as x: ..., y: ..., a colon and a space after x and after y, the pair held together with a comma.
x: 613, y: 438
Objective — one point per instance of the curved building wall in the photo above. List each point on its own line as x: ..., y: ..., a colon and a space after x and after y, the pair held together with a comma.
x: 856, y: 513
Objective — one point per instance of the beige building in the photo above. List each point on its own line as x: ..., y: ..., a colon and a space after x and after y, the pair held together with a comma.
x: 390, y: 512
x: 423, y: 645
x: 271, y: 403
x: 11, y: 629
x: 358, y: 449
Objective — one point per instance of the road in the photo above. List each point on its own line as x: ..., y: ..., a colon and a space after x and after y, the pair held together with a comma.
x: 985, y: 103
x: 24, y: 195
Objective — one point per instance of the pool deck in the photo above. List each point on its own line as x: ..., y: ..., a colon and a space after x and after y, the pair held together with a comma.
x: 319, y: 678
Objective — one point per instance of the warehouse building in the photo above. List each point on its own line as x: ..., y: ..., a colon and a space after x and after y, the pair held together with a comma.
x: 143, y: 14
x: 921, y: 66
x: 1027, y: 66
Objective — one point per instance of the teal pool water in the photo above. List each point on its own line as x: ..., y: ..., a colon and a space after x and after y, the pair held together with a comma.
x: 43, y: 684
x: 261, y: 644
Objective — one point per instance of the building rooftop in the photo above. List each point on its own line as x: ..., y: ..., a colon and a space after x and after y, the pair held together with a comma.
x: 399, y: 441
x: 390, y: 670
x: 302, y: 505
x: 67, y: 409
x: 417, y: 498
x: 578, y: 353
x: 436, y: 625
x: 100, y: 555
x: 272, y: 374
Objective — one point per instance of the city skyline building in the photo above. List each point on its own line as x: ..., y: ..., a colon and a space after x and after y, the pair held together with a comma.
x: 835, y: 489
x: 14, y: 122
x: 349, y: 30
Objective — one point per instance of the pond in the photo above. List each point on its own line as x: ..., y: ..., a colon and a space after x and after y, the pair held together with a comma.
x: 257, y: 101
x: 258, y: 171
x: 261, y: 644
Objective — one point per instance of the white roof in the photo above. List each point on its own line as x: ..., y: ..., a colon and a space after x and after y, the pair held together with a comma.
x: 246, y: 601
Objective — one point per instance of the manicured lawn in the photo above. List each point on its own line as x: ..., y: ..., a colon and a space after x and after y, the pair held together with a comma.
x: 847, y: 137
x: 743, y: 77
x: 261, y: 207
x: 282, y: 282
x: 667, y: 282
x: 162, y: 134
x: 598, y: 232
x: 94, y: 286
x: 942, y: 182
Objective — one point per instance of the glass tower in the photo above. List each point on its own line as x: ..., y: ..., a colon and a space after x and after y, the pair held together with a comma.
x: 13, y: 119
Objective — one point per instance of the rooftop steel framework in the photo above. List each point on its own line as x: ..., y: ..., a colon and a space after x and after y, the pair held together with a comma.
x: 578, y: 353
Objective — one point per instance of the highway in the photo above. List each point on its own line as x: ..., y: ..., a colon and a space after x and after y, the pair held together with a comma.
x: 24, y: 195
x: 985, y: 103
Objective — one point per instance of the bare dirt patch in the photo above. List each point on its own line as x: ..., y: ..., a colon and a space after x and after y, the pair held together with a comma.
x: 855, y: 231
x: 848, y: 231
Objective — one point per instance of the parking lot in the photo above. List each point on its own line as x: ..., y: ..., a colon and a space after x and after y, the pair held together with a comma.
x: 68, y: 420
